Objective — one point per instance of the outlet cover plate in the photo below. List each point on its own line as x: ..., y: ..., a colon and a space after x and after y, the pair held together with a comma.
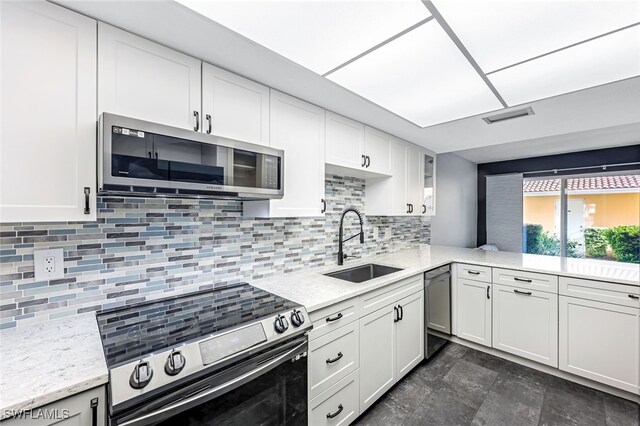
x: 48, y: 264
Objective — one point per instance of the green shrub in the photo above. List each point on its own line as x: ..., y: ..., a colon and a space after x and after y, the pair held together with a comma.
x: 537, y: 241
x: 595, y: 242
x: 532, y: 232
x: 625, y: 243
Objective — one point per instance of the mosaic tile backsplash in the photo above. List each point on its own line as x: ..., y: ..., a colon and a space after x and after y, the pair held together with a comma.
x: 144, y: 248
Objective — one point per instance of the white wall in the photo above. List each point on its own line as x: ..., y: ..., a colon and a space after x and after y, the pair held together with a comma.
x: 455, y: 221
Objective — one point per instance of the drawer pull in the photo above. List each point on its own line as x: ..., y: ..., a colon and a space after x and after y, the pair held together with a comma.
x: 332, y: 360
x: 634, y: 297
x: 524, y: 280
x: 526, y: 293
x: 473, y: 272
x: 340, y: 408
x: 336, y: 318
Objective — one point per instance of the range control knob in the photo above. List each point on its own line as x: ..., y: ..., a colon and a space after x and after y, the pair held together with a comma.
x: 141, y: 376
x: 297, y: 319
x: 175, y: 363
x: 281, y: 324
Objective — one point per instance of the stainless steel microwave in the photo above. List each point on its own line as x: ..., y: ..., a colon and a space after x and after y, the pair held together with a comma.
x: 137, y: 157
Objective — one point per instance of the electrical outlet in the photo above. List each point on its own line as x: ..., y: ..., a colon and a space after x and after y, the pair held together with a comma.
x: 48, y: 264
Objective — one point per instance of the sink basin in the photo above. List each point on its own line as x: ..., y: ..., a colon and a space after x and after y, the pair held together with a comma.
x: 363, y: 273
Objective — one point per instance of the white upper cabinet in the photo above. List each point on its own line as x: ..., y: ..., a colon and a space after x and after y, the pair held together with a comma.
x: 48, y: 132
x: 234, y: 107
x: 141, y: 79
x: 414, y: 186
x: 298, y: 128
x: 428, y: 183
x: 377, y: 146
x: 387, y: 196
x: 344, y: 142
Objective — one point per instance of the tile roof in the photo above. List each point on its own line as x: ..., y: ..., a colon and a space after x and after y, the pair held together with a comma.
x: 594, y: 183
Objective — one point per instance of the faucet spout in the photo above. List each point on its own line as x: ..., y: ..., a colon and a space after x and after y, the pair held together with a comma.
x: 341, y: 240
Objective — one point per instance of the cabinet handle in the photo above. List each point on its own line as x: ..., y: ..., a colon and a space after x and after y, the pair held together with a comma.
x: 424, y: 209
x: 368, y: 161
x: 364, y: 160
x: 94, y: 412
x: 524, y: 280
x: 208, y: 117
x: 332, y: 360
x: 324, y: 206
x: 336, y: 318
x: 488, y: 290
x: 526, y: 293
x: 401, y: 313
x: 408, y: 208
x: 196, y: 114
x: 340, y: 408
x: 397, y: 314
x: 87, y: 191
x: 633, y: 296
x: 149, y: 154
x: 473, y: 272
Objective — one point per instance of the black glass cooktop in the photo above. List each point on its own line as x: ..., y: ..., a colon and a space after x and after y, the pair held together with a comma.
x: 135, y: 331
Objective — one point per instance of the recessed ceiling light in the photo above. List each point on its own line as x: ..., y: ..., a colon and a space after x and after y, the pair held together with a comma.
x: 500, y: 33
x: 319, y: 35
x: 503, y: 116
x: 604, y: 60
x: 421, y: 76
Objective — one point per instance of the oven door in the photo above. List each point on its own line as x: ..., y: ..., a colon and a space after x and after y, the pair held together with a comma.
x: 270, y: 389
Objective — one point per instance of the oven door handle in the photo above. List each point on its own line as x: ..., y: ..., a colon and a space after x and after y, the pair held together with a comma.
x: 168, y: 410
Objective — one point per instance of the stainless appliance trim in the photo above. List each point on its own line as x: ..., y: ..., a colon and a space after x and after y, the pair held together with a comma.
x: 107, y: 120
x: 433, y: 341
x: 209, y: 394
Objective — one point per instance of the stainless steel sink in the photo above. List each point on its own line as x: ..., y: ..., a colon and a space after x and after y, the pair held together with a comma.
x: 363, y: 273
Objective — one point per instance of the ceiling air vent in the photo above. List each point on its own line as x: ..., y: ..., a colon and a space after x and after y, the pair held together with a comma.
x: 516, y: 113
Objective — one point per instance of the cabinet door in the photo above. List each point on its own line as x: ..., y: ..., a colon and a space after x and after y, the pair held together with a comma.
x: 344, y: 142
x: 414, y: 179
x: 377, y: 355
x: 377, y: 146
x: 600, y: 341
x: 474, y: 311
x: 410, y: 334
x: 296, y: 127
x: 525, y: 323
x: 48, y: 132
x: 80, y: 409
x: 234, y: 107
x: 428, y: 183
x: 398, y: 196
x: 142, y: 79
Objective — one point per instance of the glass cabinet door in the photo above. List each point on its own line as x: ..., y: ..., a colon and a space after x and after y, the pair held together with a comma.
x: 429, y: 185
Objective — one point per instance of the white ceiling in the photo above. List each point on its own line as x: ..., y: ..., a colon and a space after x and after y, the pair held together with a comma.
x: 171, y: 24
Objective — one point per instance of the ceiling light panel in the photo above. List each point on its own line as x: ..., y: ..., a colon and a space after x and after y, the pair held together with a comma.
x: 604, y: 60
x: 502, y: 33
x: 319, y: 35
x: 421, y: 76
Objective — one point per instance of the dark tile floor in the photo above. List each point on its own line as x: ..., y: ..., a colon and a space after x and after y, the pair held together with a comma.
x: 462, y: 386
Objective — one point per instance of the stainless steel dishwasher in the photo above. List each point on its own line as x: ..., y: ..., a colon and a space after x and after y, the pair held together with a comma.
x: 437, y: 309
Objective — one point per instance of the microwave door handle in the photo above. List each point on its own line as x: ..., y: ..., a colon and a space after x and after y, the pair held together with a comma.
x: 208, y: 394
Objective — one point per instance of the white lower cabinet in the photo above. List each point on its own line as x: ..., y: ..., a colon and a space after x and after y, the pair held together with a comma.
x: 87, y: 408
x: 600, y: 341
x: 525, y: 323
x: 377, y: 355
x: 338, y: 405
x: 474, y: 311
x: 409, y: 334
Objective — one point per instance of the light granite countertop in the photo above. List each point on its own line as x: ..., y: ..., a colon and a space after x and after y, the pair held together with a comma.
x: 45, y: 362
x: 316, y: 291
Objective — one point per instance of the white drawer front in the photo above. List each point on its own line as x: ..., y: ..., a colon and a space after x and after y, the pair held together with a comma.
x: 338, y: 405
x: 525, y: 323
x: 389, y: 294
x: 473, y: 272
x: 332, y: 317
x: 332, y: 357
x: 528, y: 280
x: 601, y: 291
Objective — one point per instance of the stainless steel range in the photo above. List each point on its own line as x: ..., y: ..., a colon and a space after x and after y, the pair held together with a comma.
x: 233, y: 355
